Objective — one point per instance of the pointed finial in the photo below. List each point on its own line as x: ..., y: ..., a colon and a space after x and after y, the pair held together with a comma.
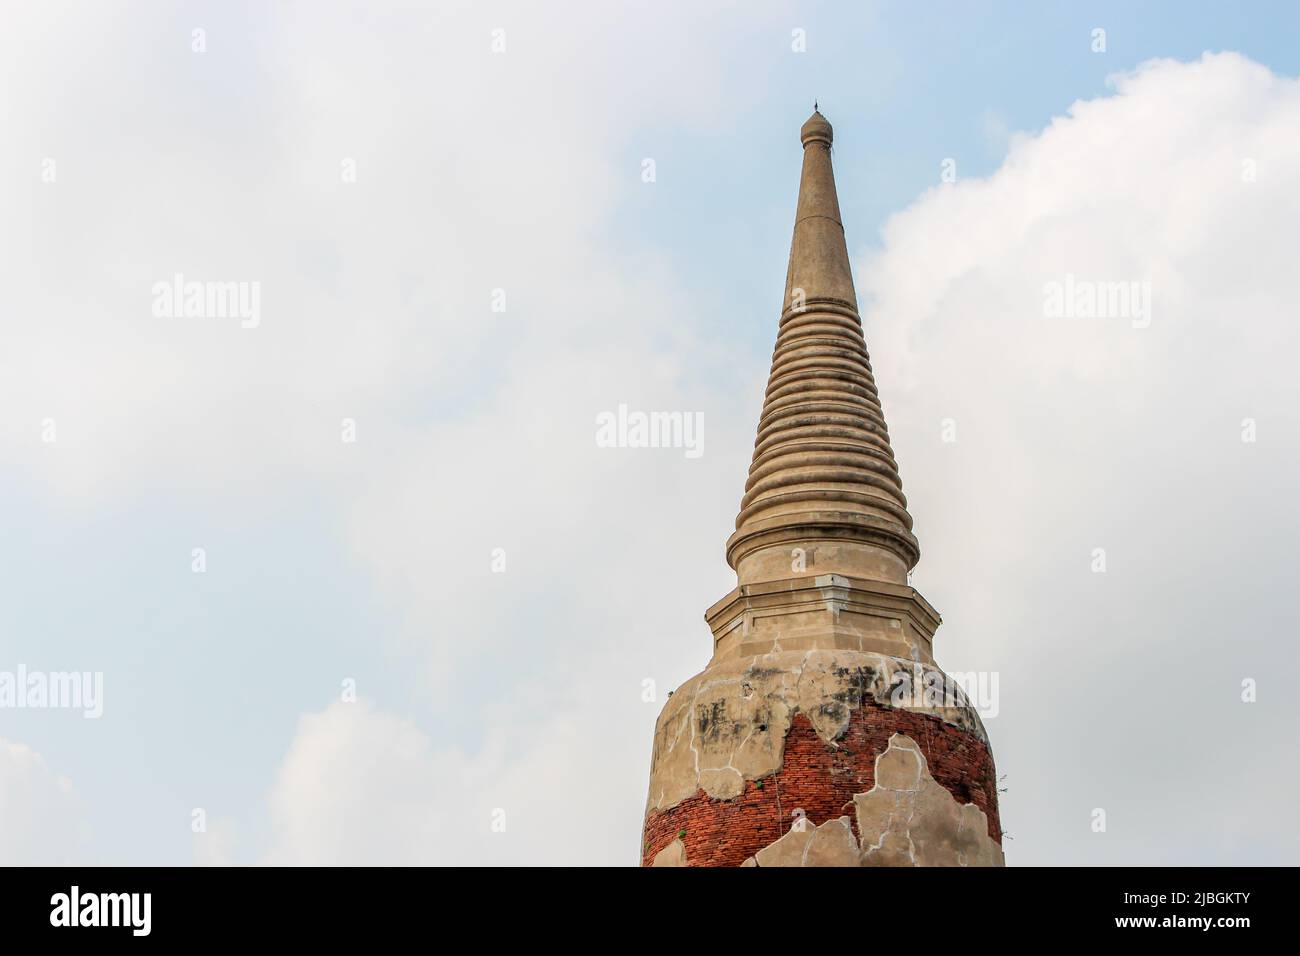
x: 816, y: 129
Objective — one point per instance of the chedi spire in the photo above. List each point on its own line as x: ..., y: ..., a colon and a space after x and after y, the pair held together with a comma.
x: 822, y: 694
x: 823, y: 476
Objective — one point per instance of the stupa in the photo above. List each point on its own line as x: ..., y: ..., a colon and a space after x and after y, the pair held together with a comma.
x: 821, y: 732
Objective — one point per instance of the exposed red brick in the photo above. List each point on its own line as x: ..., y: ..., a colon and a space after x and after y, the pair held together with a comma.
x: 822, y: 779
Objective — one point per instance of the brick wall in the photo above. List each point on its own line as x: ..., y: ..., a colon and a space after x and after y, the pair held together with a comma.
x: 822, y: 779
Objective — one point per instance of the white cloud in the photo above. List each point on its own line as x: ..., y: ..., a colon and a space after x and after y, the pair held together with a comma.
x: 217, y: 844
x: 374, y: 295
x: 360, y: 786
x: 1075, y: 434
x: 40, y: 817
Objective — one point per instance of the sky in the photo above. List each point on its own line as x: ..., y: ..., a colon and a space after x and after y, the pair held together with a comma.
x: 360, y: 584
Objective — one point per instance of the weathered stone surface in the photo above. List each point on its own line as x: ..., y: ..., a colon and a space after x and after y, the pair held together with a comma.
x: 787, y: 851
x: 893, y: 850
x: 821, y: 779
x: 729, y: 724
x: 907, y: 819
x: 899, y: 768
x: 828, y: 612
x: 674, y: 854
x: 831, y: 844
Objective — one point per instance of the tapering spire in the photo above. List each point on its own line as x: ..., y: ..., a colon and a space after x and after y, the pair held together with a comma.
x: 823, y: 479
x: 819, y: 260
x: 800, y: 701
